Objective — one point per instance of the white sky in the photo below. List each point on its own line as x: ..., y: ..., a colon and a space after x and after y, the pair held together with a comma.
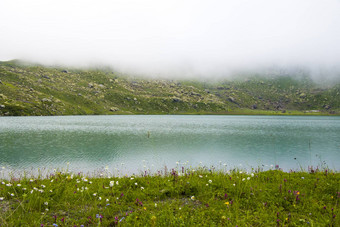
x: 173, y: 36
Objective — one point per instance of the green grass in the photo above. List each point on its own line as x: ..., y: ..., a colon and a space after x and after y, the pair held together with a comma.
x: 23, y: 88
x: 181, y: 197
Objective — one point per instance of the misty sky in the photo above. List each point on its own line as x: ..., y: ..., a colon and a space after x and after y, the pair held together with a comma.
x: 173, y: 36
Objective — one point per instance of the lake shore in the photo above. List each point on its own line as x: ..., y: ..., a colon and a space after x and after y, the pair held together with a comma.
x: 174, y: 197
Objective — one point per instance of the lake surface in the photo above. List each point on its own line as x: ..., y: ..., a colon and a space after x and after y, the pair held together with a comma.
x: 132, y: 144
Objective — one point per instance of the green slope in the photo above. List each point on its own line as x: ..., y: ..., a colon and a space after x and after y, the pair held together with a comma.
x: 27, y: 89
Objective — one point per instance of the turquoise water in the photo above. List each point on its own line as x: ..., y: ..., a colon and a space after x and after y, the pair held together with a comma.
x: 132, y: 144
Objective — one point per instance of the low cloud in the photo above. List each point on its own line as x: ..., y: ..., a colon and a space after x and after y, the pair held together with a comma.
x: 175, y: 38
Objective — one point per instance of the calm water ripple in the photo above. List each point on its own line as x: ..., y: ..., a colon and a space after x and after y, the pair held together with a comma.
x: 90, y: 143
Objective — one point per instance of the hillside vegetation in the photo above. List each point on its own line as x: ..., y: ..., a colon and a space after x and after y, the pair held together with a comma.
x: 27, y: 89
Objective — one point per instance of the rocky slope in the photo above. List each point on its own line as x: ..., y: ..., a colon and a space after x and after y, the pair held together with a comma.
x: 27, y: 89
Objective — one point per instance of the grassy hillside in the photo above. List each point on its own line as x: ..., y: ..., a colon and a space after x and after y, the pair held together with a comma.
x: 39, y: 90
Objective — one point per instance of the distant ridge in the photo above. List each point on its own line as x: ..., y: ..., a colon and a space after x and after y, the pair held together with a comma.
x: 32, y: 90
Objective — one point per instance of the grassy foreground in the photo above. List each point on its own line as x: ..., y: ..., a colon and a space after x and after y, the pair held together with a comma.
x: 181, y: 197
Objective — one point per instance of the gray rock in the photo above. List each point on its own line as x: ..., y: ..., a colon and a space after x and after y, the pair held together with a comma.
x: 114, y: 109
x: 254, y: 107
x: 231, y: 99
x: 176, y: 100
x: 64, y: 71
x: 46, y: 77
x: 90, y: 85
x: 46, y: 100
x: 2, y: 106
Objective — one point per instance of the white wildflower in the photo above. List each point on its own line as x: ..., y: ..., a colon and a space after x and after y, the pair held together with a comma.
x: 31, y: 180
x: 94, y: 194
x: 107, y: 200
x: 9, y: 185
x: 210, y: 181
x: 46, y: 203
x: 112, y: 183
x: 99, y: 198
x: 192, y: 197
x: 248, y: 178
x: 18, y: 185
x: 117, y: 183
x: 12, y: 194
x: 155, y: 204
x: 136, y: 183
x: 142, y: 188
x: 243, y: 179
x: 1, y: 198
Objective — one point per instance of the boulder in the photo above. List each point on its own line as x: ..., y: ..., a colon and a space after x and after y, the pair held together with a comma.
x: 176, y: 100
x: 2, y: 106
x: 114, y: 109
x: 46, y: 100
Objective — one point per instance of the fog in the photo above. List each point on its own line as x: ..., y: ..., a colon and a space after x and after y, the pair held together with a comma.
x: 175, y: 38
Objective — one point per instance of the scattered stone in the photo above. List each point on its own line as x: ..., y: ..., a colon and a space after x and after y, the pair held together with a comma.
x: 254, y: 107
x: 46, y: 77
x: 46, y: 100
x: 327, y: 107
x: 231, y: 99
x: 176, y: 100
x: 79, y: 94
x: 64, y: 71
x: 114, y: 109
x: 101, y: 86
x: 302, y: 95
x: 283, y: 111
x: 90, y: 85
x: 2, y: 106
